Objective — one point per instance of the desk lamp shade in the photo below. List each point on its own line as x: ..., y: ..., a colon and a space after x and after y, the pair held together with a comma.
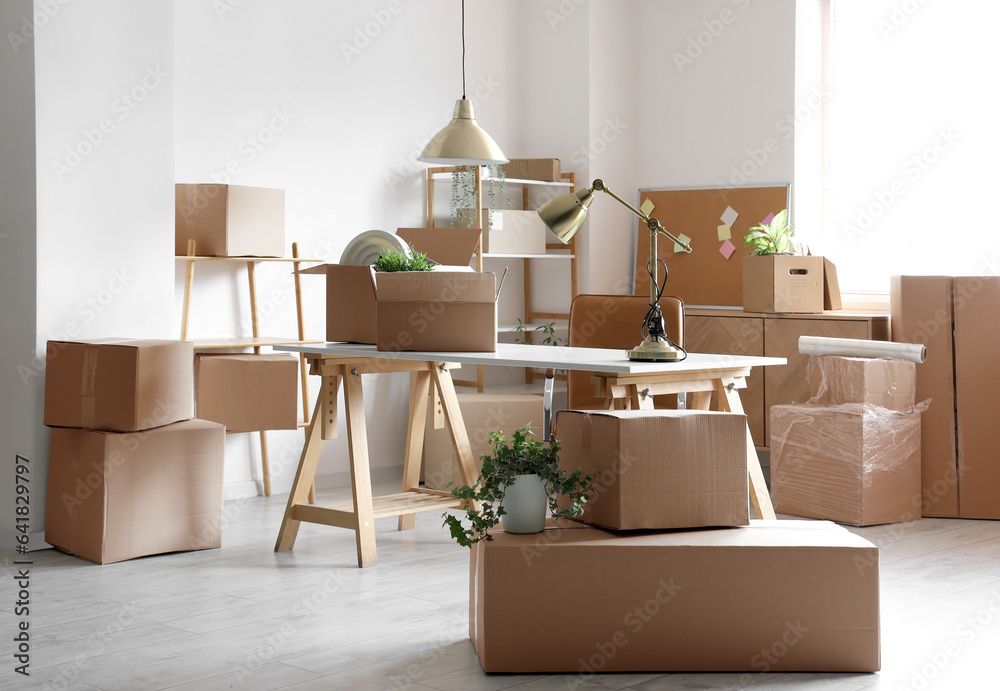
x: 565, y: 214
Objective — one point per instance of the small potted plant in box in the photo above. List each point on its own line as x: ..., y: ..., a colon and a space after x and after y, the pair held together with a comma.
x: 520, y: 480
x: 391, y: 260
x: 776, y: 278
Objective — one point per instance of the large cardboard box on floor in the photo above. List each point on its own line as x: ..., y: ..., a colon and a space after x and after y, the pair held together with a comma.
x: 230, y: 220
x: 545, y: 169
x: 659, y: 469
x: 783, y: 284
x: 850, y: 463
x: 483, y: 414
x: 956, y: 318
x: 888, y: 383
x: 776, y: 596
x: 118, y: 384
x: 247, y: 392
x: 115, y: 496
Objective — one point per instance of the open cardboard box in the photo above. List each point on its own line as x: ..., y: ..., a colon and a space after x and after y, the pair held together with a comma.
x: 783, y: 283
x: 451, y: 311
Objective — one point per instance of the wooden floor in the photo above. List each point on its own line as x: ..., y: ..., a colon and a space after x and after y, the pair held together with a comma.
x: 243, y: 617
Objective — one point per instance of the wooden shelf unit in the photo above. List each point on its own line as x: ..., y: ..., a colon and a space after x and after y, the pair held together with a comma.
x: 256, y: 341
x: 555, y: 251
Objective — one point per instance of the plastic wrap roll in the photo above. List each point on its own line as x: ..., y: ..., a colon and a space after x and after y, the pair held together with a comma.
x: 850, y: 347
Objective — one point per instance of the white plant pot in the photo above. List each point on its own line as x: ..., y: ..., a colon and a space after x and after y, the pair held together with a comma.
x: 526, y: 504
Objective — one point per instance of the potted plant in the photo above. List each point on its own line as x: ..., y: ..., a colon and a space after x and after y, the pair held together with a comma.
x: 392, y: 260
x: 775, y: 278
x: 518, y: 482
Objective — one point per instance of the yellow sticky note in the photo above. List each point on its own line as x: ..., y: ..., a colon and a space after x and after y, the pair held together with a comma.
x: 725, y: 231
x: 684, y: 238
x: 647, y: 207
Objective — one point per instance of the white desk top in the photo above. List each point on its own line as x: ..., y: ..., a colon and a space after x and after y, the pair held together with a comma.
x: 545, y: 357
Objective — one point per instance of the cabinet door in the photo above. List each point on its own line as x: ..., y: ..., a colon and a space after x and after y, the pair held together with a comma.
x: 734, y: 336
x: 789, y: 384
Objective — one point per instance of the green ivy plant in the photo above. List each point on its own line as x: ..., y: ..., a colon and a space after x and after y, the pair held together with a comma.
x: 464, y: 202
x: 497, y: 178
x: 771, y: 238
x: 397, y: 260
x: 548, y: 334
x: 521, y: 455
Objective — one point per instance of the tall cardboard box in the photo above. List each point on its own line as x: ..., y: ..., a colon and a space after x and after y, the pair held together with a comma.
x: 659, y: 469
x: 888, y: 383
x: 436, y: 311
x: 850, y: 463
x: 977, y: 381
x: 118, y: 384
x: 483, y: 413
x: 776, y: 596
x: 247, y: 392
x: 783, y: 284
x: 230, y: 220
x: 115, y: 496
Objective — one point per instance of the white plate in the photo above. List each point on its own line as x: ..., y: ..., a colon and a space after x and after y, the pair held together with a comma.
x: 366, y: 247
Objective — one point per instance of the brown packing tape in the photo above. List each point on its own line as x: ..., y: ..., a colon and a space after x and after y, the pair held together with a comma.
x: 88, y: 381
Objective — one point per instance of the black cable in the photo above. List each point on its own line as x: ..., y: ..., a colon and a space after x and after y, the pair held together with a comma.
x: 652, y: 323
x: 463, y: 50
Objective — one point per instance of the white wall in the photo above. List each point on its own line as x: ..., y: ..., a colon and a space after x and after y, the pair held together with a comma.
x: 102, y: 173
x: 20, y: 405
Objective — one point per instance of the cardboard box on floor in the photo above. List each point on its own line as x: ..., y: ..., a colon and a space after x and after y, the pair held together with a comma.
x: 659, y: 469
x: 576, y: 599
x: 783, y: 284
x: 438, y: 310
x: 546, y: 169
x: 230, y: 220
x: 834, y: 380
x: 247, y: 392
x: 848, y: 463
x: 115, y: 496
x: 956, y: 318
x: 483, y: 414
x: 118, y: 384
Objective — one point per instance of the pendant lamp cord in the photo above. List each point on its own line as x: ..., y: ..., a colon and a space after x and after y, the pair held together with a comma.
x: 463, y: 50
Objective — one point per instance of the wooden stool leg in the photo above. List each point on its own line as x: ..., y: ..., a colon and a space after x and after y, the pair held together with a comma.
x: 419, y: 391
x: 729, y: 401
x: 700, y: 400
x: 361, y: 482
x: 304, y: 475
x: 265, y: 463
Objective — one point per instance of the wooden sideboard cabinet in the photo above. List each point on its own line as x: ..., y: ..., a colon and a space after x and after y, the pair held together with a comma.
x: 734, y: 332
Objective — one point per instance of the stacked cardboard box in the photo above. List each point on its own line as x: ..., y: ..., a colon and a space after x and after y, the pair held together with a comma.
x: 247, y: 392
x: 230, y: 220
x: 676, y: 603
x: 130, y: 474
x: 852, y: 454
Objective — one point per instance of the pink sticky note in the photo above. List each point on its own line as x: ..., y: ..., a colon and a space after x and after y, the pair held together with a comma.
x: 727, y: 249
x: 770, y: 217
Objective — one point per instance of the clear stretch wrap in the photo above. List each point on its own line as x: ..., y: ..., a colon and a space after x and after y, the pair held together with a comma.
x: 834, y: 380
x: 851, y: 463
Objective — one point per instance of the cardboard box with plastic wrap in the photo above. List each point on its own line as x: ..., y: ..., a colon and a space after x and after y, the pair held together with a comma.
x: 850, y: 463
x: 876, y: 381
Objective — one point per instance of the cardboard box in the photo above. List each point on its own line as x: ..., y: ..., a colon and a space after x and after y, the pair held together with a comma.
x: 888, y: 383
x: 783, y: 283
x: 247, y: 393
x: 230, y: 220
x: 577, y: 599
x: 831, y: 286
x: 114, y: 496
x: 659, y: 469
x: 515, y: 232
x: 850, y: 463
x: 483, y: 414
x: 118, y: 384
x: 436, y: 311
x: 977, y: 380
x: 922, y: 313
x: 449, y: 246
x: 548, y: 169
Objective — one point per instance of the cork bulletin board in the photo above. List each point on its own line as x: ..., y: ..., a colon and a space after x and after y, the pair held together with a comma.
x: 715, y: 220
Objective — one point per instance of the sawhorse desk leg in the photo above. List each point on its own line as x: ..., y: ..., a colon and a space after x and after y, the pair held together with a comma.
x: 729, y: 401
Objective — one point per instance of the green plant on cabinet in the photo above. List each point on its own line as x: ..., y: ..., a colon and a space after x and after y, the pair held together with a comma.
x: 772, y: 238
